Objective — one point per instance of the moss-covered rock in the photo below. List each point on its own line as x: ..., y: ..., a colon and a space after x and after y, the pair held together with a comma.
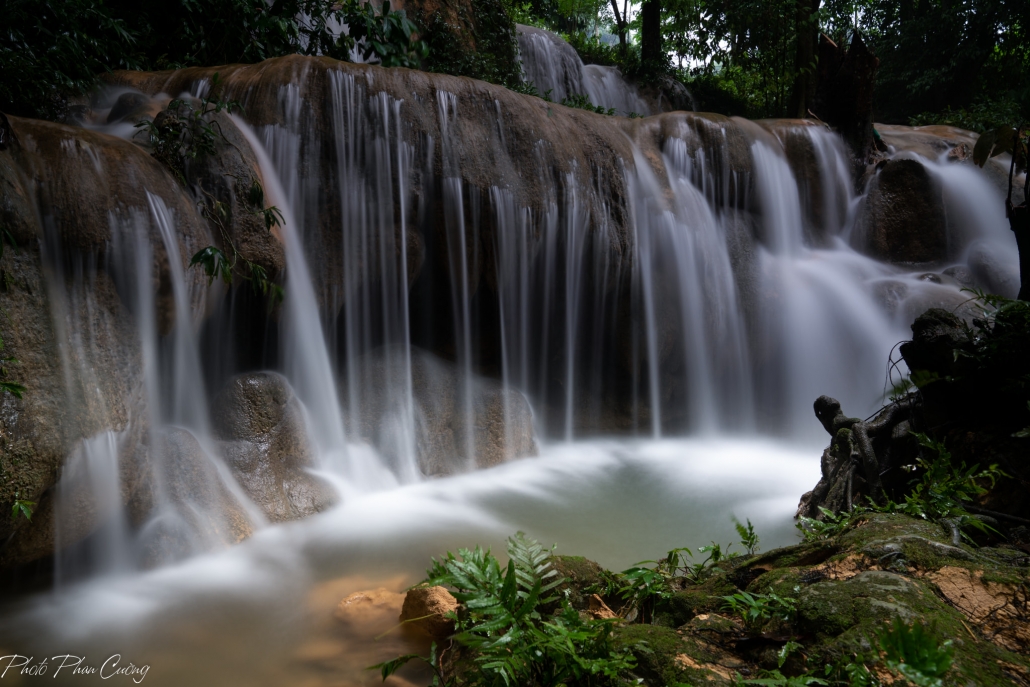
x: 847, y: 589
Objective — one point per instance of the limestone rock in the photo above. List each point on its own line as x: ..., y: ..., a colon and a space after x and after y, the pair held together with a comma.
x: 501, y: 420
x: 433, y: 602
x: 261, y: 423
x: 361, y: 608
x: 904, y: 218
x: 194, y: 507
x: 128, y: 106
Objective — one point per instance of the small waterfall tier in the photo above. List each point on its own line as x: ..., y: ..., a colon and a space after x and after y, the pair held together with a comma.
x: 554, y: 67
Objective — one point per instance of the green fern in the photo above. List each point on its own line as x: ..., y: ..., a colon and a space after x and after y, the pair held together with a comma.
x: 500, y: 621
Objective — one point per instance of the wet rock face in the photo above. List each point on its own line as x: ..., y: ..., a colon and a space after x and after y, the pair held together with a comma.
x: 50, y: 327
x: 904, y: 219
x: 199, y: 510
x: 266, y: 446
x: 501, y: 420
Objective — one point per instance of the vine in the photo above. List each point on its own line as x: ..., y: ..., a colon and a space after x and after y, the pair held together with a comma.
x: 184, y: 133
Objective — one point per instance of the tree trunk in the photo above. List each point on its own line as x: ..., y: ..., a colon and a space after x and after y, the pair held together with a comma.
x: 806, y: 34
x: 651, y: 34
x: 844, y: 95
x: 620, y: 23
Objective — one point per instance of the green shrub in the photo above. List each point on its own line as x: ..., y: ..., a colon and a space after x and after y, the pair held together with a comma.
x: 913, y: 651
x: 54, y: 50
x: 50, y: 49
x: 755, y: 610
x: 981, y: 116
x: 500, y: 620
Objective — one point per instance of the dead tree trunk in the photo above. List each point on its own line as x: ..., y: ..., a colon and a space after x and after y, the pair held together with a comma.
x: 651, y: 55
x: 844, y: 93
x: 806, y: 39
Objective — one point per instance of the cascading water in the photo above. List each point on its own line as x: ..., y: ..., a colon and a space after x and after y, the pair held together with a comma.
x: 554, y: 68
x: 716, y: 291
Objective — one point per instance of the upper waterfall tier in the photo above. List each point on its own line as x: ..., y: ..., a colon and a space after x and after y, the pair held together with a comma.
x: 555, y: 69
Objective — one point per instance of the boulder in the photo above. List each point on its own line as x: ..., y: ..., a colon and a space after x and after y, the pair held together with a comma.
x: 675, y: 95
x: 425, y: 608
x: 188, y: 506
x: 956, y: 146
x: 360, y: 608
x: 936, y: 334
x: 129, y: 106
x: 501, y: 419
x: 265, y: 443
x: 904, y: 219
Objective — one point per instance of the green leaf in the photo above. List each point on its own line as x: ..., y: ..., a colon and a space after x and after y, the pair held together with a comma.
x: 23, y: 508
x: 273, y: 218
x: 256, y: 195
x: 13, y: 388
x: 214, y: 263
x: 388, y: 668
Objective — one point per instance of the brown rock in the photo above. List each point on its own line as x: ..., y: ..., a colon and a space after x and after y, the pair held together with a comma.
x: 904, y: 219
x: 186, y: 481
x: 360, y: 608
x: 998, y: 610
x: 502, y: 421
x: 266, y: 445
x: 425, y: 607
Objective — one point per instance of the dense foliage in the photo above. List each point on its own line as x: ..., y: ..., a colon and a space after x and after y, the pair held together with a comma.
x: 54, y: 49
x: 523, y: 624
x: 962, y: 61
x: 475, y: 39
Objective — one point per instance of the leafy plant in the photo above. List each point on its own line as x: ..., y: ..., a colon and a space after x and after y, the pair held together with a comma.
x: 748, y: 537
x: 434, y: 661
x: 22, y: 507
x: 582, y: 102
x: 785, y: 651
x: 697, y: 572
x: 383, y: 34
x: 913, y: 652
x: 478, y: 40
x: 755, y: 610
x: 981, y: 116
x: 774, y: 678
x: 944, y: 487
x: 54, y: 50
x: 184, y: 132
x: 6, y: 238
x: 217, y: 265
x: 831, y: 525
x: 13, y: 388
x: 511, y: 642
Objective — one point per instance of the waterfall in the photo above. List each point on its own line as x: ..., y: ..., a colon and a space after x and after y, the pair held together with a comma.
x: 707, y: 286
x: 554, y: 68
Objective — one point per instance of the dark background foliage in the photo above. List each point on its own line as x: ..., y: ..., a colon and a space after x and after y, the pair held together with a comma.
x: 965, y: 62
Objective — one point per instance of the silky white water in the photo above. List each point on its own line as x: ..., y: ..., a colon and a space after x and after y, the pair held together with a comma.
x: 238, y: 616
